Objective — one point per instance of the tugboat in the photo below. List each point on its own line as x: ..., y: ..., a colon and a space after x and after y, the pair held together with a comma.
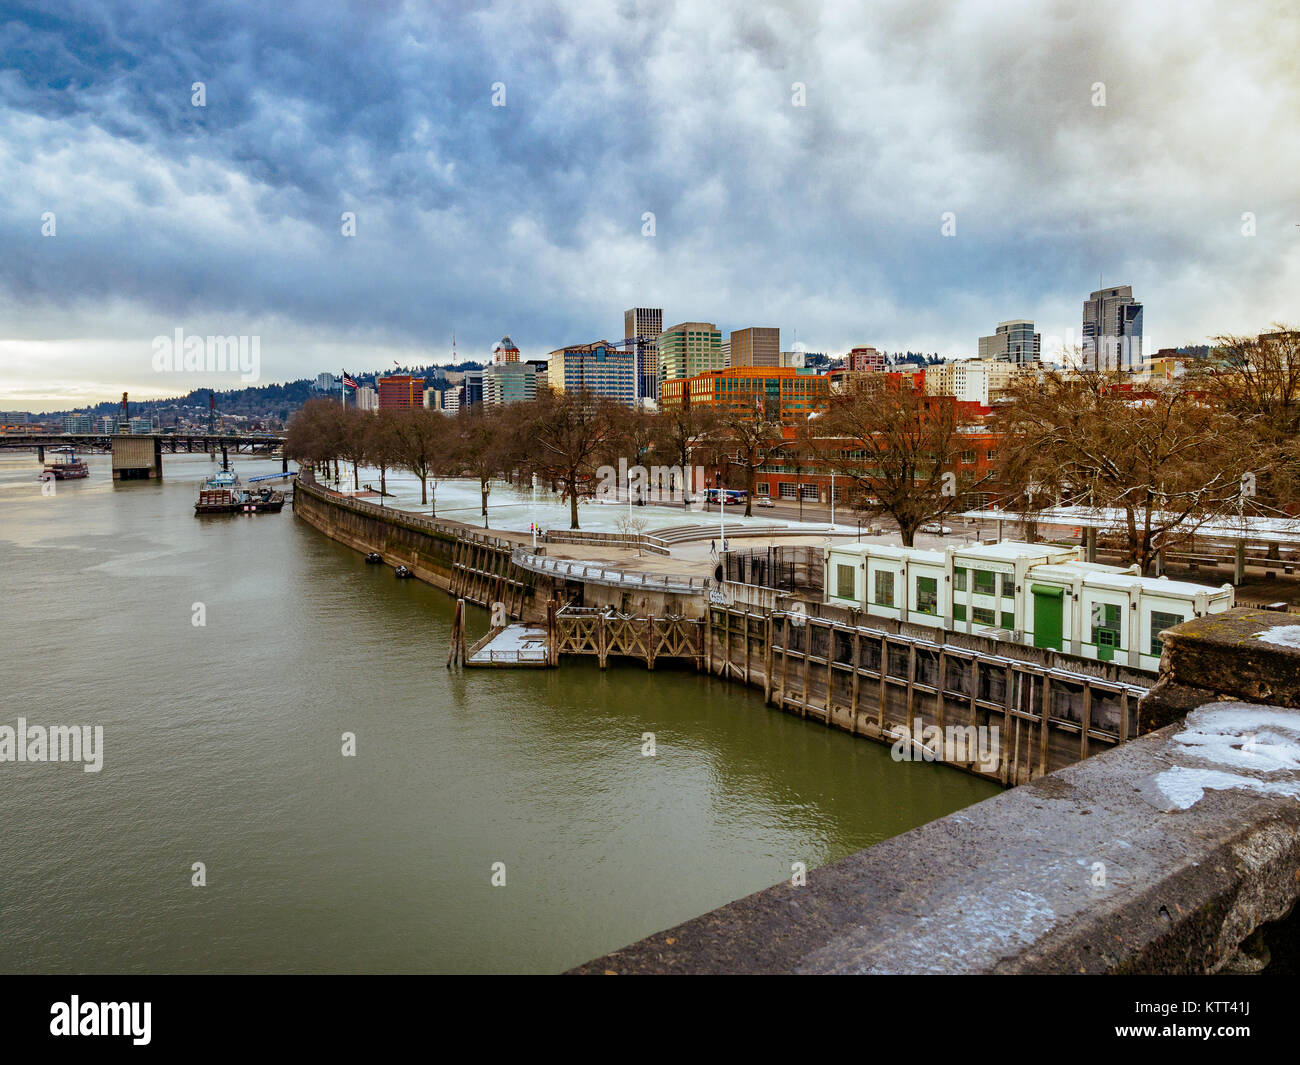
x: 223, y: 494
x: 65, y: 467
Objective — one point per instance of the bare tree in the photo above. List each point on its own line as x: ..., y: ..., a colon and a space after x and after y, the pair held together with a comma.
x: 422, y: 443
x: 1162, y: 455
x: 900, y: 450
x: 570, y: 433
x: 750, y: 440
x: 382, y: 447
x: 1257, y: 380
x: 483, y: 446
x: 683, y: 433
x: 314, y: 433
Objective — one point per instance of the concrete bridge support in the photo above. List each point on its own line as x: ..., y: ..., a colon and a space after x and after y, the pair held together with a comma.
x: 137, y: 458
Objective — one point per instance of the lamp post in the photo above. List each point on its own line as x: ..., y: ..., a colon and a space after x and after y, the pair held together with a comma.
x: 722, y: 510
x: 832, y: 499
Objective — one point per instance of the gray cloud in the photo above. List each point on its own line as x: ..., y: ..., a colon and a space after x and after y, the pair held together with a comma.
x: 527, y: 218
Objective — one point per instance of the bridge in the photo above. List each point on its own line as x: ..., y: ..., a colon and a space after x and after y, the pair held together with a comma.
x: 138, y: 456
x: 171, y: 443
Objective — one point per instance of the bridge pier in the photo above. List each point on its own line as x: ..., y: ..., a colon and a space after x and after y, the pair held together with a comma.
x: 40, y: 454
x: 137, y: 458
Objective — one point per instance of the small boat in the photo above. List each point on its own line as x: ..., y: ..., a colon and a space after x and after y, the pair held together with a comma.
x: 65, y: 467
x: 374, y: 558
x: 402, y: 573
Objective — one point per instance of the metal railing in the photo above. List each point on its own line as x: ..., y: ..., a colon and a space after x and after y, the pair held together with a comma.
x: 435, y: 525
x: 587, y: 571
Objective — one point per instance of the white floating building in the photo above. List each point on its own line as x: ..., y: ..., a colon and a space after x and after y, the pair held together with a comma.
x: 1040, y: 595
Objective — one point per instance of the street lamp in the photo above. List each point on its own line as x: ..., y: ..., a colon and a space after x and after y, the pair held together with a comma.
x: 722, y: 510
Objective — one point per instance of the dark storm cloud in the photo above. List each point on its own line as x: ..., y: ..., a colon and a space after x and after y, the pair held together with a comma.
x: 528, y: 217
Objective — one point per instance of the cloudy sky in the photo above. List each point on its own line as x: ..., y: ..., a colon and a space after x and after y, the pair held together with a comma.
x: 824, y: 219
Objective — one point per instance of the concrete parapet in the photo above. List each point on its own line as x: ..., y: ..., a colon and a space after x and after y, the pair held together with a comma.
x: 1242, y: 654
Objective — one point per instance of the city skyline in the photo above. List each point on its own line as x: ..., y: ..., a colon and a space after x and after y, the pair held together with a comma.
x: 908, y: 208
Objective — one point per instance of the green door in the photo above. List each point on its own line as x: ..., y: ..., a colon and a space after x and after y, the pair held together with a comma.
x: 1049, y: 605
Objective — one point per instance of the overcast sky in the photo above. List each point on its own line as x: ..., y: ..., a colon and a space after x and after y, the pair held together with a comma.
x: 824, y: 219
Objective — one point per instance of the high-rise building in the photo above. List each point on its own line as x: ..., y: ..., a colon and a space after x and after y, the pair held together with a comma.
x: 509, y: 382
x: 1112, y: 330
x: 642, y: 326
x: 1015, y: 342
x: 401, y: 392
x: 504, y: 350
x: 756, y: 346
x: 367, y: 398
x: 78, y: 423
x: 473, y: 388
x: 864, y: 358
x: 326, y: 382
x: 598, y: 368
x: 689, y: 348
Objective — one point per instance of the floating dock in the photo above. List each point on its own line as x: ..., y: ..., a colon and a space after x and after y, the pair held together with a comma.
x: 514, y: 645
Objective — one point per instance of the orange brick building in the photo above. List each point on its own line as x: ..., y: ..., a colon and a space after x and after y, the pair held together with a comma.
x: 788, y: 394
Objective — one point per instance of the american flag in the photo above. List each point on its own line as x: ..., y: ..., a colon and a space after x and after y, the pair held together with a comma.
x: 347, y: 381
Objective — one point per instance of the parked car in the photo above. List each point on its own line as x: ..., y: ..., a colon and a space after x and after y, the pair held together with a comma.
x: 935, y: 528
x: 763, y: 501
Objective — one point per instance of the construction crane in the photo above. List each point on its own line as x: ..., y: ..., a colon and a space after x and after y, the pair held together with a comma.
x: 124, y: 419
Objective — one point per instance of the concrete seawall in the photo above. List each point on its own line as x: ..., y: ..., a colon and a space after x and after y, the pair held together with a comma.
x: 426, y: 547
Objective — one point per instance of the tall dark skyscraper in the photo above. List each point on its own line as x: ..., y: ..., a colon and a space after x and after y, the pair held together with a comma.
x: 1112, y: 330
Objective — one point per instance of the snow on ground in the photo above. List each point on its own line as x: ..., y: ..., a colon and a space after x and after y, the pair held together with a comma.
x: 512, y: 508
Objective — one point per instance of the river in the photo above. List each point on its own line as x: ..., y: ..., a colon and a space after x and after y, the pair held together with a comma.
x: 222, y: 745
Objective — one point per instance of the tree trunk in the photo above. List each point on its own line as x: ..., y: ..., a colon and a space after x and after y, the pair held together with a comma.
x: 749, y: 492
x: 483, y: 491
x: 573, y: 502
x: 383, y: 483
x: 356, y: 478
x: 424, y: 489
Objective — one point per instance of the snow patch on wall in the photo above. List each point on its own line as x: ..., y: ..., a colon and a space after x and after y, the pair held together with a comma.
x: 1253, y: 739
x: 1281, y: 636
